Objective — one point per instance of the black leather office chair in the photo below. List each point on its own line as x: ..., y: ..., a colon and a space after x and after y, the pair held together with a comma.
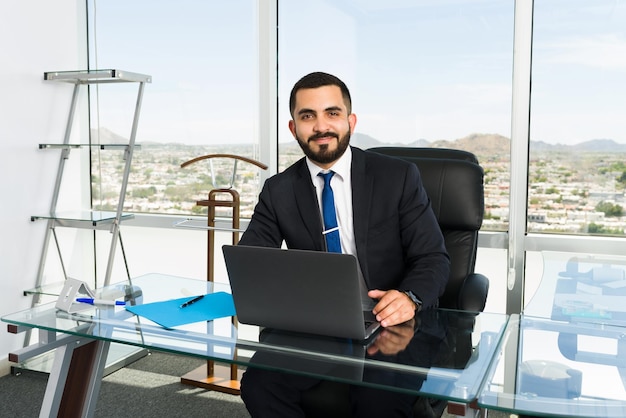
x: 454, y: 183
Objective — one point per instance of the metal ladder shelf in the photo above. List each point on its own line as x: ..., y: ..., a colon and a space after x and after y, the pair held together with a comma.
x: 90, y: 219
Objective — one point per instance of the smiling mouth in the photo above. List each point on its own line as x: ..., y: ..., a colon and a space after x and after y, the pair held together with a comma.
x: 323, y: 138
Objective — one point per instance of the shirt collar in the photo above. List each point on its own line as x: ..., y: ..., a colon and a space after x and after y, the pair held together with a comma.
x: 341, y: 166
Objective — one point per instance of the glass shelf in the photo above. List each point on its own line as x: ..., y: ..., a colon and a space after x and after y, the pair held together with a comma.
x: 54, y: 289
x: 101, y: 146
x: 201, y: 224
x: 96, y: 76
x: 50, y: 289
x: 78, y: 219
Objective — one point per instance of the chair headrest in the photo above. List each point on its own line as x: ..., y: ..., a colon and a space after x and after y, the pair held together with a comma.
x: 456, y: 190
x: 425, y: 152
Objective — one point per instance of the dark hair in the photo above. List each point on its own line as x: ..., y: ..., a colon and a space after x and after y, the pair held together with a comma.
x: 319, y: 79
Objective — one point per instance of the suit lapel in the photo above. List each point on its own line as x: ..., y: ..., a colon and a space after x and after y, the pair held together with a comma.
x: 362, y: 189
x: 308, y: 207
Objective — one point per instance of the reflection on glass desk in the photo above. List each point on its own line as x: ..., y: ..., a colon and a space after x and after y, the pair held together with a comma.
x: 565, y: 355
x: 581, y: 288
x: 446, y: 355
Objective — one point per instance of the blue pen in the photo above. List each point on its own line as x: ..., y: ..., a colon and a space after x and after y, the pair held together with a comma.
x: 93, y: 301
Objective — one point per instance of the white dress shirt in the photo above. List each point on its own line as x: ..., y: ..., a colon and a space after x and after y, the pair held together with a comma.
x: 341, y: 184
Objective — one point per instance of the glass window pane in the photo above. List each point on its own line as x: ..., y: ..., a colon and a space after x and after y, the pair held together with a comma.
x: 577, y: 168
x: 202, y: 57
x: 421, y: 74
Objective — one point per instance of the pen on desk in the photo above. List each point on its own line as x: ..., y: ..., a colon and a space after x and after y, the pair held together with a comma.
x: 93, y: 301
x: 189, y: 302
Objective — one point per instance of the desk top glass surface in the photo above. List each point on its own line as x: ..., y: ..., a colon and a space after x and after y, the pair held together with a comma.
x: 565, y: 356
x: 446, y: 354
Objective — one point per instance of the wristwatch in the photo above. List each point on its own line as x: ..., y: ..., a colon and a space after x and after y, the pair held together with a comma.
x: 416, y: 301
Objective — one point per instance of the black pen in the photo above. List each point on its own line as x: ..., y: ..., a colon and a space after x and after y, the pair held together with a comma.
x: 189, y: 302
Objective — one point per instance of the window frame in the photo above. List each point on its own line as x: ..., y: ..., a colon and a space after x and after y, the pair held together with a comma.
x: 516, y: 240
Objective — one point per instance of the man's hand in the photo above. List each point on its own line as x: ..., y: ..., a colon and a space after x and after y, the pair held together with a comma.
x: 393, y: 307
x: 394, y: 339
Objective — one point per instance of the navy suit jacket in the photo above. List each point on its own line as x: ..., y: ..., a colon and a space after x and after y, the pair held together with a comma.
x: 398, y: 240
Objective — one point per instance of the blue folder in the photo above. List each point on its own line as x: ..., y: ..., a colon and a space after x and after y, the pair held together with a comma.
x: 169, y: 314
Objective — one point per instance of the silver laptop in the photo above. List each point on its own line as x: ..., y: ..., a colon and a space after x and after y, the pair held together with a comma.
x: 296, y: 290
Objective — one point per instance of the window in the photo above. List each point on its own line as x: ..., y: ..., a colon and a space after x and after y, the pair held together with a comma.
x: 428, y: 73
x: 577, y: 173
x: 202, y: 100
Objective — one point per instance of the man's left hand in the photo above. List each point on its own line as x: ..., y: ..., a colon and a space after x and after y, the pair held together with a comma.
x: 393, y: 307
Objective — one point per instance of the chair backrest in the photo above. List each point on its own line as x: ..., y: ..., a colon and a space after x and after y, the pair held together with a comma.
x: 453, y: 180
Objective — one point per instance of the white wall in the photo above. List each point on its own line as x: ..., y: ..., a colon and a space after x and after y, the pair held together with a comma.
x: 32, y: 112
x: 35, y: 36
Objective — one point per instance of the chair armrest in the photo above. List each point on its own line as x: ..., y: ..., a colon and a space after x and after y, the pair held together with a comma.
x: 473, y: 294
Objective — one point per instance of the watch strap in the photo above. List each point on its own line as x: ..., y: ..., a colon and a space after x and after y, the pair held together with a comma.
x: 416, y: 301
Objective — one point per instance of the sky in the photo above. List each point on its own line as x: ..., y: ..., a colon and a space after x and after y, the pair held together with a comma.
x: 417, y: 69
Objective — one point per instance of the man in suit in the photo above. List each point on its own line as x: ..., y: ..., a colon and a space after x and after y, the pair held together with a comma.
x: 384, y: 218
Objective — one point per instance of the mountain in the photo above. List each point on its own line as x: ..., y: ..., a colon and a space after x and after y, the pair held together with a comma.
x: 497, y: 145
x: 105, y: 136
x: 479, y: 144
x: 419, y: 143
x: 593, y: 145
x: 365, y: 141
x: 543, y: 146
x: 606, y: 145
x: 486, y: 145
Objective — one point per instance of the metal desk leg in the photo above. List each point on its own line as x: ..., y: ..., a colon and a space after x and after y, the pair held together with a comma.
x: 75, y: 378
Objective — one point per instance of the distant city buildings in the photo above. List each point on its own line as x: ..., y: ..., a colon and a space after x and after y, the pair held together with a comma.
x: 565, y: 189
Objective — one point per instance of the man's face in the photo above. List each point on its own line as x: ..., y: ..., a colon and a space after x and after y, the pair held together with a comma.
x: 321, y: 124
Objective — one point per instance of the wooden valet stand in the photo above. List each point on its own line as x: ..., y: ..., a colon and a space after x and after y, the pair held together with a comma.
x: 220, y: 378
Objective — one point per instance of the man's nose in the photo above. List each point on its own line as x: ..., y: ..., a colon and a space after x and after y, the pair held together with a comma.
x: 321, y: 125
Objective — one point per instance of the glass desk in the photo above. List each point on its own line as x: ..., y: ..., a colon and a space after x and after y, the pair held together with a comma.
x: 565, y: 356
x: 446, y: 355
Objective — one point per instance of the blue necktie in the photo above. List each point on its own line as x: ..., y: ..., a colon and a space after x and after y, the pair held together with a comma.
x: 331, y: 231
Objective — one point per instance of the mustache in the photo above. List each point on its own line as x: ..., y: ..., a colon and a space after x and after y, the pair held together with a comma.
x: 323, y: 135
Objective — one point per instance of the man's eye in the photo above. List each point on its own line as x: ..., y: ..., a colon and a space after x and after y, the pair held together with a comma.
x: 304, y: 117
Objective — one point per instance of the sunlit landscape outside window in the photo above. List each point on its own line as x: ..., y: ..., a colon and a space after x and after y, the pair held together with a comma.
x: 421, y: 74
x: 577, y: 171
x: 202, y: 57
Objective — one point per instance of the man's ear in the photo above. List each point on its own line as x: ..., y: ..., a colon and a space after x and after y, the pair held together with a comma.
x: 292, y: 127
x: 352, y: 121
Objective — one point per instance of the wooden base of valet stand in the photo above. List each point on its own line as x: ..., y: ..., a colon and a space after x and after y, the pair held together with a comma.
x: 212, y: 376
x: 220, y: 378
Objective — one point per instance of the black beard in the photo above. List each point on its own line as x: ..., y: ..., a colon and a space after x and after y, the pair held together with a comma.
x: 324, y: 156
